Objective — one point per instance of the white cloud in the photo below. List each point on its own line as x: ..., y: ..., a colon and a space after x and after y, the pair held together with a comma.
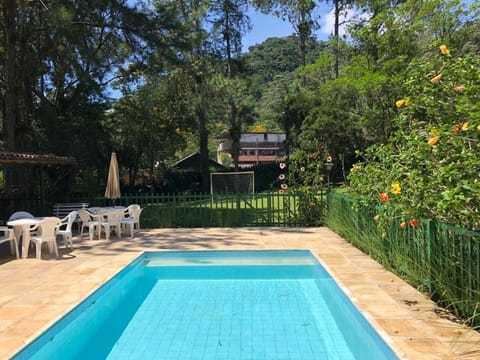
x: 327, y: 22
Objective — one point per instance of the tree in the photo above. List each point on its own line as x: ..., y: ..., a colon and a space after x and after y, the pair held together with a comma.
x: 339, y: 6
x: 298, y: 13
x: 229, y: 21
x: 150, y: 125
x: 65, y: 54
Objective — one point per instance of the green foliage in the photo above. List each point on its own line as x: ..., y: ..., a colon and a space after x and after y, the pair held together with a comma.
x: 271, y: 67
x: 306, y: 176
x: 150, y: 125
x: 429, y: 167
x: 266, y: 176
x: 182, y: 181
x: 86, y: 182
x: 436, y: 258
x: 277, y: 56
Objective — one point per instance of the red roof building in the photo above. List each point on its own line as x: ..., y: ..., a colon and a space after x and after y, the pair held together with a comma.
x: 255, y: 149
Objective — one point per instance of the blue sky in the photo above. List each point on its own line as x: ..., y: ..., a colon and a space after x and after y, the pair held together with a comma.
x: 267, y: 26
x: 264, y: 27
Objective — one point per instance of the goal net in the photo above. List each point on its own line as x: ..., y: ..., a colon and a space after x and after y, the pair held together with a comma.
x: 232, y: 183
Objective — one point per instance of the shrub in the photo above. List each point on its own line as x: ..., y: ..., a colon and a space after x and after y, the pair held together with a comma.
x: 305, y: 174
x: 429, y: 167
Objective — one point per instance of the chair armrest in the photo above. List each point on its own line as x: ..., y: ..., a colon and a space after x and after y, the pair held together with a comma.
x: 58, y: 227
x: 6, y: 229
x: 34, y: 227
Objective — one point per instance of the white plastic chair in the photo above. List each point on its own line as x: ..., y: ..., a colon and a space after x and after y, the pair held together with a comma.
x: 19, y: 215
x: 46, y: 234
x: 89, y: 221
x: 65, y: 229
x: 132, y: 221
x: 9, y: 235
x: 112, y: 223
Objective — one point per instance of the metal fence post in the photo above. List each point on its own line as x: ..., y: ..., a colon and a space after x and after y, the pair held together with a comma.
x: 431, y: 253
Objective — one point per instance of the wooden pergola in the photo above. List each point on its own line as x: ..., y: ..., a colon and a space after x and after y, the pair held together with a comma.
x: 38, y: 160
x: 9, y: 158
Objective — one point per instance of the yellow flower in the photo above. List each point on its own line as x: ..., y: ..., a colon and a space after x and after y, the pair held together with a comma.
x: 376, y: 217
x: 444, y: 50
x: 356, y: 167
x: 396, y: 189
x: 465, y: 126
x: 433, y: 141
x: 478, y: 128
x: 436, y: 79
x: 402, y: 102
x: 434, y: 132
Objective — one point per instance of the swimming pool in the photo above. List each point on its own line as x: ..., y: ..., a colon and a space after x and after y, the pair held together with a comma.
x: 214, y: 305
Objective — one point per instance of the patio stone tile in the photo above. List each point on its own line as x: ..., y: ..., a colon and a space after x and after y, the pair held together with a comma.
x: 26, y: 328
x: 9, y: 345
x: 14, y: 312
x: 425, y: 348
x: 4, y: 324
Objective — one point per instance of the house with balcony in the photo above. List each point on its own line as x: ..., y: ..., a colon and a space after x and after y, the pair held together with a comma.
x: 255, y: 149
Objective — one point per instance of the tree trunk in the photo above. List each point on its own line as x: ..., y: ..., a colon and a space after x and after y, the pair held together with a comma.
x: 234, y: 128
x: 204, y: 149
x: 336, y: 39
x: 234, y: 134
x: 9, y: 117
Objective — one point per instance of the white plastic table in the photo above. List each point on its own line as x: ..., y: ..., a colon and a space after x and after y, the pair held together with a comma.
x: 104, y: 209
x: 22, y: 227
x: 100, y: 214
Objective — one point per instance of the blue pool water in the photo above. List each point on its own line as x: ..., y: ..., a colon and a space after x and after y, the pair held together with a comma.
x: 255, y: 305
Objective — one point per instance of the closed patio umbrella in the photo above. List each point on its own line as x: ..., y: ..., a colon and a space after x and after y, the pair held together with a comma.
x: 112, y: 190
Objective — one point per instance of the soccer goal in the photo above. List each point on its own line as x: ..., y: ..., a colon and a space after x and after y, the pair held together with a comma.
x: 232, y: 183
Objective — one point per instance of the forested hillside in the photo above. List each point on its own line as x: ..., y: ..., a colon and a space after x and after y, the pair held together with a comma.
x: 271, y: 67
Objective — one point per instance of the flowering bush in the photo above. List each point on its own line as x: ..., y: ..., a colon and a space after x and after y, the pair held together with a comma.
x: 430, y: 167
x: 305, y: 176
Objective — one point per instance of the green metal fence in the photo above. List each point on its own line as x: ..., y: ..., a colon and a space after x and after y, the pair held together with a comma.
x: 439, y: 258
x: 205, y: 210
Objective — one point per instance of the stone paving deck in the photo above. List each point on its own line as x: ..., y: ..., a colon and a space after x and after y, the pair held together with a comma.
x: 36, y: 293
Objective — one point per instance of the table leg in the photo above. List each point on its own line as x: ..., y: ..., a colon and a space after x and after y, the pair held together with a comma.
x: 25, y: 241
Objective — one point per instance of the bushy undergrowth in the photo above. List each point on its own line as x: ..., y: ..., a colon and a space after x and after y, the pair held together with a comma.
x: 306, y: 175
x: 429, y: 168
x: 438, y: 259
